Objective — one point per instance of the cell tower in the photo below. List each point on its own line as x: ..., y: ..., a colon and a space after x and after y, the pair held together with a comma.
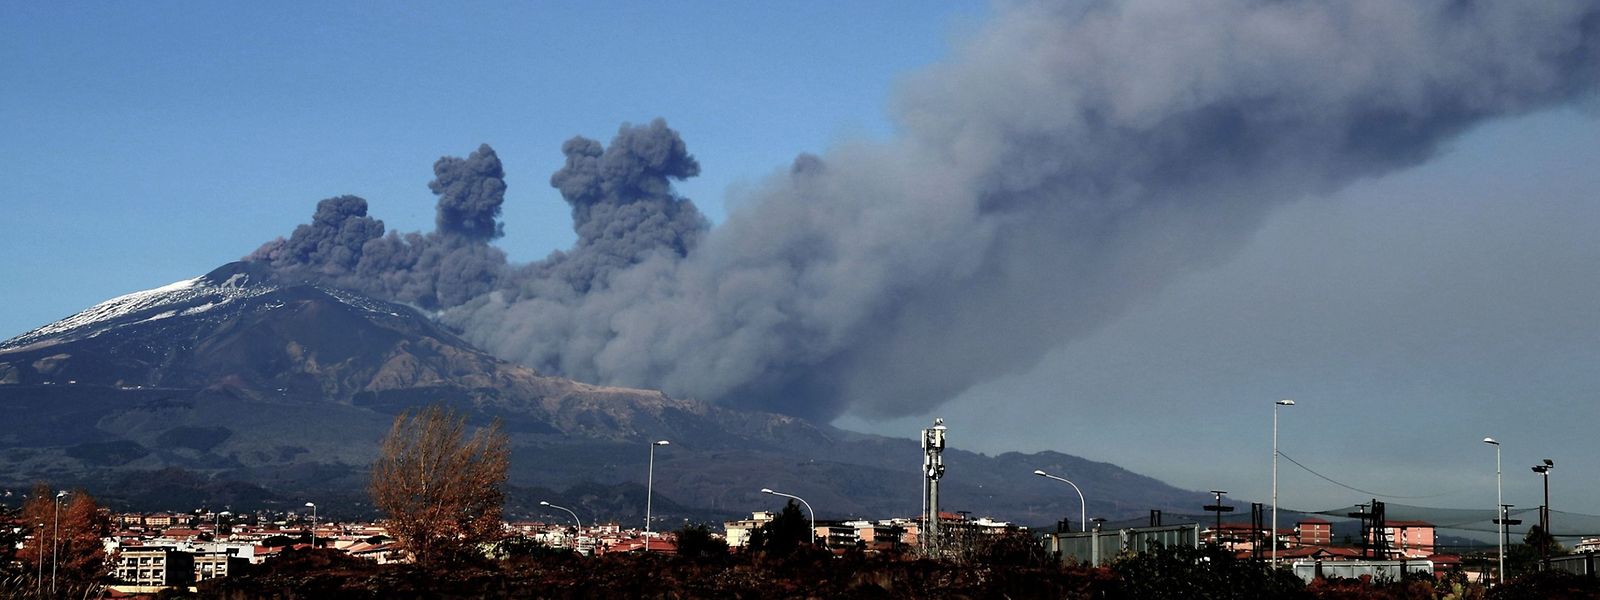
x: 932, y: 470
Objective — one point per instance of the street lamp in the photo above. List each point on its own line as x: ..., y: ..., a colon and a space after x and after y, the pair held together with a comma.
x: 574, y: 518
x: 1500, y: 521
x: 55, y: 539
x: 313, y: 507
x: 1083, y: 506
x: 802, y: 501
x: 649, y: 491
x: 38, y: 543
x: 1274, y: 535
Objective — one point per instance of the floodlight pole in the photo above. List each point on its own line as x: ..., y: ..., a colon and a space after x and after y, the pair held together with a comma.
x: 1544, y: 513
x: 1274, y: 534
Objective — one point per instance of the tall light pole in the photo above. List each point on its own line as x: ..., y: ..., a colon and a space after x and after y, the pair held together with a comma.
x: 38, y: 542
x: 649, y: 491
x: 1083, y: 506
x: 1274, y: 535
x: 808, y: 510
x: 1500, y: 521
x: 313, y: 507
x: 1544, y: 471
x: 574, y: 518
x: 55, y: 539
x: 1544, y: 512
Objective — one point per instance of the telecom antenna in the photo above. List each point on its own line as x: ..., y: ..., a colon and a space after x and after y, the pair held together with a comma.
x: 932, y: 470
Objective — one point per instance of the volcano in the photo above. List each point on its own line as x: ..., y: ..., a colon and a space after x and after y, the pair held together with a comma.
x: 242, y: 387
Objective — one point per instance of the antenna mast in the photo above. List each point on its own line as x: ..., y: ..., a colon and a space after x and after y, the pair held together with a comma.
x: 932, y: 470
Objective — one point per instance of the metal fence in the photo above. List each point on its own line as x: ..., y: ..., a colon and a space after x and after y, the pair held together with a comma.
x: 1100, y: 547
x: 1577, y: 564
x: 1379, y: 570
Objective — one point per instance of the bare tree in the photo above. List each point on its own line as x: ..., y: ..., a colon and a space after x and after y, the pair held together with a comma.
x: 440, y: 489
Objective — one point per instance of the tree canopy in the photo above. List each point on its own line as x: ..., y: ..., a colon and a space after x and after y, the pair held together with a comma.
x: 440, y: 489
x: 70, y: 533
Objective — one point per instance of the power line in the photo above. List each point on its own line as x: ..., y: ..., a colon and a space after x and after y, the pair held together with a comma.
x: 1356, y: 489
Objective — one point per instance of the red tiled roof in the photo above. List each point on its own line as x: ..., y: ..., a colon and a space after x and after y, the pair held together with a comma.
x: 1249, y: 527
x: 1333, y: 552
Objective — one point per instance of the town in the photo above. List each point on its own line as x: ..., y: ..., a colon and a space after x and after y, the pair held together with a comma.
x: 151, y: 552
x: 138, y: 554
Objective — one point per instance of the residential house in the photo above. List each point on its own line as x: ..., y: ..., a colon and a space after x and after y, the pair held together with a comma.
x: 738, y: 532
x: 155, y: 566
x: 1406, y: 539
x: 1313, y: 532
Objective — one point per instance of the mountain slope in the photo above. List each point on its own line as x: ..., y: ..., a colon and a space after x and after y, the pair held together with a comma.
x: 237, y: 376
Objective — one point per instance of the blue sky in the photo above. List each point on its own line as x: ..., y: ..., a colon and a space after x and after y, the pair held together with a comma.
x: 150, y: 142
x: 1409, y: 315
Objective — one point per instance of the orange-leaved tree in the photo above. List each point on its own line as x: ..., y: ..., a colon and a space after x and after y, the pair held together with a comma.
x: 439, y: 488
x: 65, y: 537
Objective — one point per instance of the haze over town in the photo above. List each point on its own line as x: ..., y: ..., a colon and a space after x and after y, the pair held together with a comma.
x: 1410, y: 309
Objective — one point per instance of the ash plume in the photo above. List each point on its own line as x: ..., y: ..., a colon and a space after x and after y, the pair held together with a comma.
x: 623, y: 206
x: 470, y: 192
x: 1066, y: 161
x: 344, y: 247
x: 331, y: 243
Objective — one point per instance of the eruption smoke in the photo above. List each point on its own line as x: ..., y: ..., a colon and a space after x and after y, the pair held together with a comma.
x: 344, y: 247
x: 1068, y: 160
x: 623, y: 208
x: 470, y: 194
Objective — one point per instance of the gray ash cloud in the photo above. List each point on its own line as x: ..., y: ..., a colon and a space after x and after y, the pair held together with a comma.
x: 470, y: 191
x: 1066, y: 161
x: 344, y: 247
x: 623, y: 207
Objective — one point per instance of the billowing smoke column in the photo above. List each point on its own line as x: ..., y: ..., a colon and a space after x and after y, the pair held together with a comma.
x: 470, y: 194
x: 623, y: 207
x: 448, y: 267
x: 331, y: 243
x: 1066, y: 161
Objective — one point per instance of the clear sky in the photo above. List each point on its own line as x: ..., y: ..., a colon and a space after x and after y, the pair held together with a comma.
x: 1409, y: 315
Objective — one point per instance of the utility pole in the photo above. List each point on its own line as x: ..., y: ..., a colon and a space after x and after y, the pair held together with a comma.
x: 1256, y: 527
x: 1505, y: 522
x: 1216, y: 536
x: 1362, y: 514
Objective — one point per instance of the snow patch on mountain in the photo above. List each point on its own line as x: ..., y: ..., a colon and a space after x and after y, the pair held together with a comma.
x: 181, y: 298
x: 188, y: 298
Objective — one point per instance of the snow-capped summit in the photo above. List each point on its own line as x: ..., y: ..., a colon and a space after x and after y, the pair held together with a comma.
x: 229, y: 283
